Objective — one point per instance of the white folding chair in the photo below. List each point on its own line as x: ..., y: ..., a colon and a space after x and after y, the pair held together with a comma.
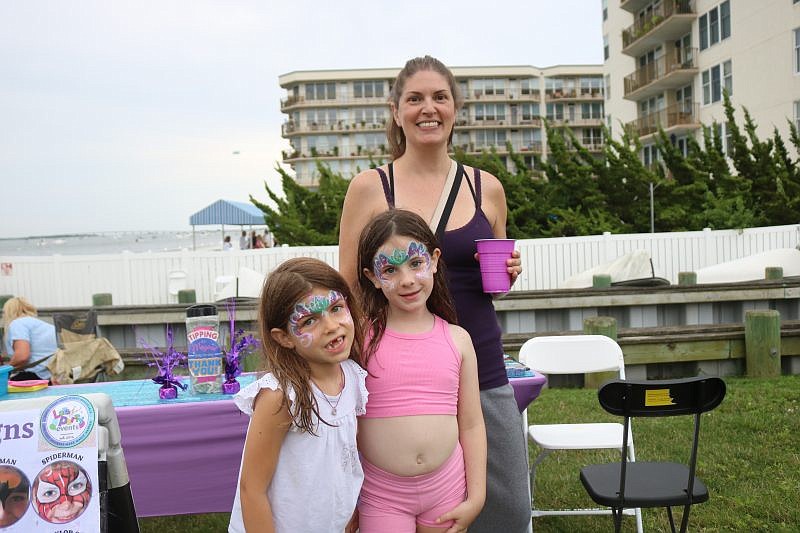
x: 575, y: 354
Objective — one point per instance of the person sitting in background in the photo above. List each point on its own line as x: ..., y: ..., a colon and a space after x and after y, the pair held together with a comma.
x: 29, y: 341
x: 226, y: 243
x: 260, y: 242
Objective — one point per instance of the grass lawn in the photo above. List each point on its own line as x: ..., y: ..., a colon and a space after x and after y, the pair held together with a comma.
x: 749, y: 458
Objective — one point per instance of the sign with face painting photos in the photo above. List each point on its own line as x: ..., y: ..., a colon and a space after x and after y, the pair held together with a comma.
x: 48, y: 468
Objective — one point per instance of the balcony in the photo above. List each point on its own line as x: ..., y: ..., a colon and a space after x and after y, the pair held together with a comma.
x: 525, y: 95
x: 334, y: 153
x: 300, y: 101
x: 518, y: 147
x: 669, y: 21
x: 291, y: 127
x: 633, y: 6
x: 574, y: 122
x: 472, y: 123
x: 677, y: 118
x: 667, y: 72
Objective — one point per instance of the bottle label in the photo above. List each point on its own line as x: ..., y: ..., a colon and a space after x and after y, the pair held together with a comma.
x: 205, y: 359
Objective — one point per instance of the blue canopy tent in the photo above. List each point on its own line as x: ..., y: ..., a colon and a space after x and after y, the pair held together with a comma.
x: 227, y: 212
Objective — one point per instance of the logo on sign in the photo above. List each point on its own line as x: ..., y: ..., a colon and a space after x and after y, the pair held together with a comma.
x: 68, y: 421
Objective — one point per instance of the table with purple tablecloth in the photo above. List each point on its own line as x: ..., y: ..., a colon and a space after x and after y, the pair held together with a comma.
x: 183, y: 455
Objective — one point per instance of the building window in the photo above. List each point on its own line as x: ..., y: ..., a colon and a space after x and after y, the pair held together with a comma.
x: 488, y: 138
x: 607, y: 88
x: 369, y: 141
x: 723, y: 131
x: 797, y: 50
x: 592, y: 110
x: 605, y: 47
x: 682, y: 144
x: 683, y: 99
x: 605, y: 9
x: 797, y: 109
x: 555, y: 111
x: 532, y: 139
x: 716, y: 79
x: 370, y: 115
x: 367, y: 89
x: 592, y: 86
x: 592, y: 137
x: 649, y: 155
x: 490, y: 111
x: 320, y: 117
x: 715, y: 25
x: 529, y: 86
x: 488, y: 87
x: 530, y: 111
x: 320, y: 91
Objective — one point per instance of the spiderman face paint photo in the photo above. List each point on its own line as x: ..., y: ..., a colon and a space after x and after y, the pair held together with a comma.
x: 308, y: 314
x: 14, y: 495
x: 61, y: 492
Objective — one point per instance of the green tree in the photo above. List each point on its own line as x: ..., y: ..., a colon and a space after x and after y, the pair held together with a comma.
x: 305, y: 217
x: 766, y: 166
x: 526, y: 193
x: 625, y: 183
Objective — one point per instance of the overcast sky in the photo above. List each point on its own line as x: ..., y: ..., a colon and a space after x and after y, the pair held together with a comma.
x: 126, y: 115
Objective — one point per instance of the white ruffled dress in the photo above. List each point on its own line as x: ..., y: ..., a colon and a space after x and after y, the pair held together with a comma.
x: 318, y: 478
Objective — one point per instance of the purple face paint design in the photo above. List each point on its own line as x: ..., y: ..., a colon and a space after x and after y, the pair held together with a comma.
x: 416, y: 255
x: 303, y: 320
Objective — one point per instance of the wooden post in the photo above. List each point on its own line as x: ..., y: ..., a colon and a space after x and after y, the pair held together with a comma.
x: 601, y: 281
x: 687, y: 278
x: 599, y: 325
x: 762, y: 338
x: 773, y: 273
x: 100, y: 299
x: 187, y: 296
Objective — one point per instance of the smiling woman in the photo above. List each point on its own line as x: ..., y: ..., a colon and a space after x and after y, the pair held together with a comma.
x: 424, y: 101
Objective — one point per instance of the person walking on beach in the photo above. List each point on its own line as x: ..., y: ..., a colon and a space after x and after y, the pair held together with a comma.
x: 300, y: 467
x: 29, y: 341
x: 422, y: 441
x: 424, y: 102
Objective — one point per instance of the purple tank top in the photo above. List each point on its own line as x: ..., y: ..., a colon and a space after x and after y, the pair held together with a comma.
x: 474, y: 308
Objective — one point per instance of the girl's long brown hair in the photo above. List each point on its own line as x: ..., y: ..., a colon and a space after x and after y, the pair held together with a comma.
x: 394, y: 133
x: 380, y: 229
x: 292, y: 281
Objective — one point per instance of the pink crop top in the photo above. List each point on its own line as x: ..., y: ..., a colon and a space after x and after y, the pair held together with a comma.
x: 414, y: 374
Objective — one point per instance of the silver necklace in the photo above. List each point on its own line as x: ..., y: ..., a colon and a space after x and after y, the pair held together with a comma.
x: 338, y: 396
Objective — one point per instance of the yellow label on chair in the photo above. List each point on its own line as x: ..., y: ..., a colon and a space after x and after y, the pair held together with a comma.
x: 656, y: 397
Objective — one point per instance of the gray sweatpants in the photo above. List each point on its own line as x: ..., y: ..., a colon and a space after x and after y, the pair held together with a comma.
x: 508, y: 504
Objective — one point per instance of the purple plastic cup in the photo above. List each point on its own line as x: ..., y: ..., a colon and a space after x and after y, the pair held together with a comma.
x: 494, y: 270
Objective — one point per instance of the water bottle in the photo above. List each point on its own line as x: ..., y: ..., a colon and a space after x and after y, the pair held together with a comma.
x: 204, y: 351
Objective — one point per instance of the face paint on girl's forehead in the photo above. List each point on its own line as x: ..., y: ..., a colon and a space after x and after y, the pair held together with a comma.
x: 312, y: 305
x: 398, y: 257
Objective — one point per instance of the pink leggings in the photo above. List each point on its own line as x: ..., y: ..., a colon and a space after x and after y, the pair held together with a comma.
x: 395, y: 503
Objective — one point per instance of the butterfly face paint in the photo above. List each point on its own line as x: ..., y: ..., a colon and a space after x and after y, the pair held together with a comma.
x: 308, y: 312
x: 416, y: 257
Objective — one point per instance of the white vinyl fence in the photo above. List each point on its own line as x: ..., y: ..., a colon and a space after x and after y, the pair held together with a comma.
x: 146, y: 278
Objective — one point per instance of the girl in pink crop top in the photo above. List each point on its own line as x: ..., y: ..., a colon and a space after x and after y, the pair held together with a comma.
x: 422, y: 441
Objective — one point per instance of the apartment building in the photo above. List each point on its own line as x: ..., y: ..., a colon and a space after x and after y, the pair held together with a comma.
x: 667, y: 63
x: 340, y: 116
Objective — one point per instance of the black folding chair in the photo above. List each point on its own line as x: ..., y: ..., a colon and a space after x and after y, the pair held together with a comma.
x: 652, y: 484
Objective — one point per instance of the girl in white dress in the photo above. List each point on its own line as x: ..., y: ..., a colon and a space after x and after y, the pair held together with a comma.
x: 300, y: 468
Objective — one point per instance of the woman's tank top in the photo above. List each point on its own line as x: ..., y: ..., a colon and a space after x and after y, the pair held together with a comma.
x: 474, y: 308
